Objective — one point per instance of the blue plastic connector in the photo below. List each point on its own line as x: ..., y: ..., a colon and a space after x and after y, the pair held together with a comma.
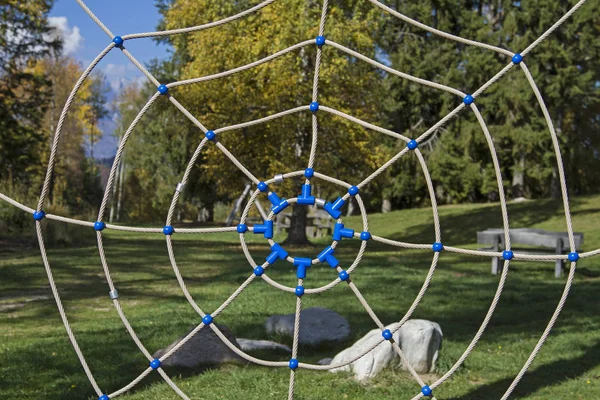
x: 277, y: 253
x: 412, y: 145
x: 242, y: 228
x: 573, y: 256
x: 39, y: 215
x: 517, y: 58
x: 437, y: 247
x: 309, y: 173
x: 365, y: 235
x: 258, y: 271
x: 305, y: 198
x: 387, y: 334
x: 468, y: 100
x: 332, y: 261
x: 344, y: 276
x: 340, y: 232
x: 163, y: 89
x: 426, y: 390
x: 155, y: 364
x: 266, y: 229
x: 320, y: 40
x: 314, y: 106
x: 507, y: 255
x: 118, y: 41
x: 326, y: 252
x: 104, y: 397
x: 278, y: 204
x: 207, y: 319
x: 293, y: 363
x: 353, y: 190
x: 99, y: 226
x: 327, y: 256
x: 263, y: 187
x: 334, y: 208
x: 168, y: 230
x: 299, y: 291
x: 302, y: 264
x: 210, y: 135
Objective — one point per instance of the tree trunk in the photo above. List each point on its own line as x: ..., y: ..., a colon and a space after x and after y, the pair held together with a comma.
x: 386, y: 205
x: 518, y: 181
x: 297, y: 231
x: 210, y: 212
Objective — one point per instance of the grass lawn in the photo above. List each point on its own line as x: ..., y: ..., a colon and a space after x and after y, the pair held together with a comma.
x: 38, y: 362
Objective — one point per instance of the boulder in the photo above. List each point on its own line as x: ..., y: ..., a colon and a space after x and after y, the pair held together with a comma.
x: 419, y: 340
x: 249, y: 345
x: 204, y: 348
x: 317, y: 325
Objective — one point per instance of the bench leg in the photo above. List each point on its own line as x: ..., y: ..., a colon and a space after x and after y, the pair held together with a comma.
x: 559, y: 266
x: 495, y: 260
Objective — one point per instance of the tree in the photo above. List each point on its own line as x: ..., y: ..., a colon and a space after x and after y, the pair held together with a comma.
x: 347, y: 84
x: 23, y: 92
x: 459, y: 159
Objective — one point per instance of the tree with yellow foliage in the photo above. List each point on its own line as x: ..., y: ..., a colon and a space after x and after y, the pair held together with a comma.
x: 345, y: 151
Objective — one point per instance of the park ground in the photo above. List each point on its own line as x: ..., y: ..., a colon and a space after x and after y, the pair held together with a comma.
x: 38, y: 362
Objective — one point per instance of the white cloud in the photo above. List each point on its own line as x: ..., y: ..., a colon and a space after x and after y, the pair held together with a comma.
x: 71, y: 37
x: 122, y: 75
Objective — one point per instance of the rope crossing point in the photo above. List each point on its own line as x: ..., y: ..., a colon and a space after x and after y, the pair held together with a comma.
x: 333, y: 208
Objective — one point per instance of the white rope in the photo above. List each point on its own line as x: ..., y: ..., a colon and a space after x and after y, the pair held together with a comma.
x: 311, y: 160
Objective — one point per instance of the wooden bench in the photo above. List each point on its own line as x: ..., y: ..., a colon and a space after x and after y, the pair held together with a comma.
x: 318, y: 224
x: 559, y: 241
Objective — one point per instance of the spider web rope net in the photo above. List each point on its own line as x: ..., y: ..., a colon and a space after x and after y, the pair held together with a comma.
x: 211, y: 138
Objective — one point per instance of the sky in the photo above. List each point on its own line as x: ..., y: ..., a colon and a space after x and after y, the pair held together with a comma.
x: 84, y: 40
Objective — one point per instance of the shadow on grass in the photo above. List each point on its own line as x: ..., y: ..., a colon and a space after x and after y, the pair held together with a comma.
x: 539, y: 378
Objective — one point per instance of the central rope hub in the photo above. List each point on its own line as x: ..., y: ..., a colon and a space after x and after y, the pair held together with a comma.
x: 305, y: 198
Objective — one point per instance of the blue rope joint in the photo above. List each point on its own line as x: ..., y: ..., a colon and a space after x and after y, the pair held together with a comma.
x: 334, y: 208
x: 426, y: 390
x: 266, y: 229
x: 163, y: 89
x: 278, y: 204
x: 340, y: 232
x: 437, y: 247
x: 327, y: 256
x: 344, y: 276
x: 210, y: 135
x: 387, y: 334
x: 305, y: 198
x: 293, y: 364
x: 277, y: 253
x: 302, y: 264
x: 118, y: 41
x: 517, y: 58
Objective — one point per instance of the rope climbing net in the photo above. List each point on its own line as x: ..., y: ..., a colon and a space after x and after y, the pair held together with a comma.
x: 327, y: 256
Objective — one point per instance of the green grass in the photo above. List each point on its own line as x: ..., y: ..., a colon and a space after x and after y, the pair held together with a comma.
x: 37, y: 360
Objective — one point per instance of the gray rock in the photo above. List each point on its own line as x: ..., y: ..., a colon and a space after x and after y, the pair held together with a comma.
x: 253, y: 345
x: 419, y: 340
x: 317, y: 325
x: 204, y: 348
